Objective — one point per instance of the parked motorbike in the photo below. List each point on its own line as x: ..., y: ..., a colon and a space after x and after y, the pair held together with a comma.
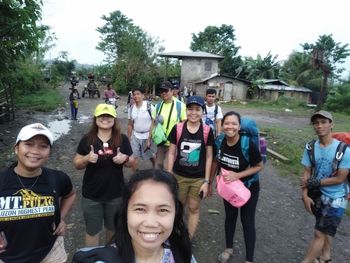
x: 112, y: 101
x: 91, y: 89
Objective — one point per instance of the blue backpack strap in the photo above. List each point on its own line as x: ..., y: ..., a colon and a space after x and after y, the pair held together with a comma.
x: 178, y: 109
x: 245, y: 146
x: 218, y: 142
x: 245, y: 140
x: 158, y: 106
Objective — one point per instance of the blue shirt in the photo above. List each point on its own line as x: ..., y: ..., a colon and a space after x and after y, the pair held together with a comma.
x: 324, y: 157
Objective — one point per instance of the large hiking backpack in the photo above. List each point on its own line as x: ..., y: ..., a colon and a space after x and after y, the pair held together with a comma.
x: 249, y: 131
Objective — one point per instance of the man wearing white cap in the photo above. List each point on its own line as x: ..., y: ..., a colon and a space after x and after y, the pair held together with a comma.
x: 34, y: 202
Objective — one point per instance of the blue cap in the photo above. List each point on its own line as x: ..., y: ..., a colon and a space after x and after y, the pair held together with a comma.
x: 195, y: 100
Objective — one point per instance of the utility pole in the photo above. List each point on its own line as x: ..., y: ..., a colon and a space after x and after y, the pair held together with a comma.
x: 319, y: 63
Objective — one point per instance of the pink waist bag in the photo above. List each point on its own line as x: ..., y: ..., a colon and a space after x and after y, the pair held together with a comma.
x: 233, y: 192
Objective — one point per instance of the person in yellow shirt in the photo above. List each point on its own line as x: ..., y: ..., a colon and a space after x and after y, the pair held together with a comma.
x: 169, y: 111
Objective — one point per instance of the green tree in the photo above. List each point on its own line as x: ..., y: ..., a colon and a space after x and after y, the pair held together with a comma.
x: 298, y: 71
x: 260, y: 68
x: 129, y: 48
x: 19, y: 33
x: 220, y: 41
x: 327, y: 57
x: 340, y: 99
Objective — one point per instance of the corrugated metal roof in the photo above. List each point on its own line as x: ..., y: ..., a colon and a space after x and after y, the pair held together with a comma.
x: 214, y: 75
x: 284, y: 88
x: 274, y: 82
x: 184, y: 54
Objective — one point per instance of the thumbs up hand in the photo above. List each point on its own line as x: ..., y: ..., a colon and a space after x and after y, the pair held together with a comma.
x: 120, y: 158
x: 92, y: 156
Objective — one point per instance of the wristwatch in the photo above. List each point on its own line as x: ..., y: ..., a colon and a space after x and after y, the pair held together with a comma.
x: 205, y: 181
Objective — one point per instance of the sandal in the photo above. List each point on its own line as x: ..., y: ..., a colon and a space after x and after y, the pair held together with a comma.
x: 321, y: 260
x: 224, y: 256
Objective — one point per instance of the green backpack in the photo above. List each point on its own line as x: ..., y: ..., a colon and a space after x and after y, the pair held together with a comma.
x: 158, y: 135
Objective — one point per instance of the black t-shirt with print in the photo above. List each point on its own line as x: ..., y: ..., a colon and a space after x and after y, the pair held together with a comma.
x: 191, y: 157
x: 232, y: 158
x: 104, y: 180
x: 27, y: 216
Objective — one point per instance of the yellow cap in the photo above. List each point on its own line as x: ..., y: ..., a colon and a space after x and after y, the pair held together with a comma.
x: 105, y: 109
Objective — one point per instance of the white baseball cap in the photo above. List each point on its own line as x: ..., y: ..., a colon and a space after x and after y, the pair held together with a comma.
x: 32, y: 130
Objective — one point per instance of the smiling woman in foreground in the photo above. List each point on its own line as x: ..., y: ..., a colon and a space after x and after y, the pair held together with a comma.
x: 149, y: 226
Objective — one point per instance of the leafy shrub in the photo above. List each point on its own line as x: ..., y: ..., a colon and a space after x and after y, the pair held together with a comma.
x: 339, y: 100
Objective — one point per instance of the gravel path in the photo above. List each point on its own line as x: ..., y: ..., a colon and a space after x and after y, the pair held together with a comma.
x: 284, y: 228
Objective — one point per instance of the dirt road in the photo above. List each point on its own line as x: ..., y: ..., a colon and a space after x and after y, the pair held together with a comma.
x: 284, y: 229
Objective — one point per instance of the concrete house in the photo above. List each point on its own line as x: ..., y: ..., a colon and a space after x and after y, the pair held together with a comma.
x: 272, y: 89
x: 195, y: 67
x: 227, y: 87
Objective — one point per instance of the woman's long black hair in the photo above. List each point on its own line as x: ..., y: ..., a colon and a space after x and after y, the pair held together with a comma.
x: 179, y: 241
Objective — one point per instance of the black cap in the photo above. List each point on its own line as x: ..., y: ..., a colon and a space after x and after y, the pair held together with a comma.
x: 166, y: 85
x: 195, y: 100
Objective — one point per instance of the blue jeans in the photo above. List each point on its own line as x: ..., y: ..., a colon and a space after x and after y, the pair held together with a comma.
x: 73, y: 111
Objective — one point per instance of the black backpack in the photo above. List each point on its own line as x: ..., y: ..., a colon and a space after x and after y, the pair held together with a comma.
x: 107, y: 254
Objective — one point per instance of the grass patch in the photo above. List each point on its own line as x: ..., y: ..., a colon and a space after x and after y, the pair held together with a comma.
x: 42, y: 100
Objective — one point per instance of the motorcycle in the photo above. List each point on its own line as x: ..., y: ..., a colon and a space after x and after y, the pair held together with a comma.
x: 91, y: 89
x: 112, y: 101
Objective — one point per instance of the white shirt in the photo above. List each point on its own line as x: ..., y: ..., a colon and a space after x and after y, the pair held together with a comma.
x: 142, y: 120
x: 210, y: 113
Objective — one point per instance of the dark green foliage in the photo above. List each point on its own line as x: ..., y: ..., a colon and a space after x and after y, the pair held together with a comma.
x: 219, y: 41
x: 131, y: 50
x: 339, y: 98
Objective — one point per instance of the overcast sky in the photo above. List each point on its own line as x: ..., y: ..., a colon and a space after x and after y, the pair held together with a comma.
x: 260, y: 26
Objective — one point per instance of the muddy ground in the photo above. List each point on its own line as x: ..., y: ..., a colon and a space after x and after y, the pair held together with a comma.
x: 284, y: 228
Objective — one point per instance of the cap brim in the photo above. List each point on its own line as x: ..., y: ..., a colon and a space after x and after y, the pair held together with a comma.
x: 26, y: 137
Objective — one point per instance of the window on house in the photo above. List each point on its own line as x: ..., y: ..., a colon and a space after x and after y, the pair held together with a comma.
x: 207, y: 66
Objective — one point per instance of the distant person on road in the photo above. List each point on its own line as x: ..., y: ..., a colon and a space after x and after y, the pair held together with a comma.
x: 212, y: 112
x: 110, y: 96
x: 73, y: 101
x: 190, y: 157
x: 139, y: 126
x: 176, y: 92
x: 102, y: 152
x: 231, y: 156
x: 35, y: 201
x: 150, y: 226
x: 109, y: 92
x: 129, y: 102
x: 329, y: 207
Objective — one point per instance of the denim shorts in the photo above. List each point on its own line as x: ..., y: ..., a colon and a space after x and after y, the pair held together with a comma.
x: 329, y: 215
x: 97, y: 214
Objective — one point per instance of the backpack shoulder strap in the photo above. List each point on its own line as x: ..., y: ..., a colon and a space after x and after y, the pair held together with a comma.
x: 339, y: 153
x: 245, y: 146
x: 310, y: 148
x: 206, y: 130
x: 215, y: 111
x: 149, y: 109
x: 218, y: 141
x: 159, y: 107
x: 178, y: 109
x: 179, y: 129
